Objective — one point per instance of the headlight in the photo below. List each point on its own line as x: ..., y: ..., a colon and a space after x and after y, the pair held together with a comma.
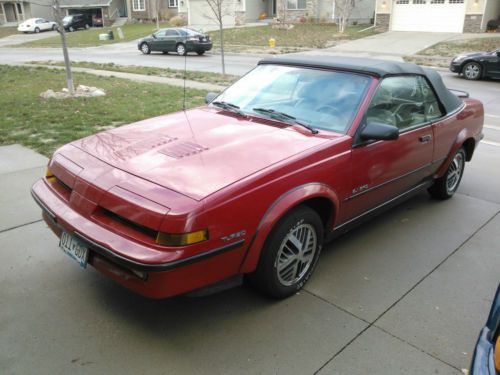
x: 459, y: 58
x: 181, y: 239
x: 193, y: 39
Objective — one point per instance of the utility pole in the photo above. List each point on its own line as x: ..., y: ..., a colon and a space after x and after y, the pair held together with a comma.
x: 67, y: 63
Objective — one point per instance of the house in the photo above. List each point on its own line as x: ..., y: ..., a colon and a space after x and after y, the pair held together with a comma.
x: 146, y: 9
x: 436, y: 15
x: 239, y: 12
x: 101, y: 12
x: 18, y: 11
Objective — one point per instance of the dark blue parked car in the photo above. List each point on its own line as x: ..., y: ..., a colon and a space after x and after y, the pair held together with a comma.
x: 486, y: 359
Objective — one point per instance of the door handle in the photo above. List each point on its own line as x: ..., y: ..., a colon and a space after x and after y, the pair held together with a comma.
x: 425, y: 138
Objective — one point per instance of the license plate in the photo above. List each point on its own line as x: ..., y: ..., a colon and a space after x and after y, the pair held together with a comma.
x: 74, y: 248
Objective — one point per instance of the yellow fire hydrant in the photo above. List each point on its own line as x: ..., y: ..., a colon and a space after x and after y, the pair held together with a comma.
x: 271, y: 42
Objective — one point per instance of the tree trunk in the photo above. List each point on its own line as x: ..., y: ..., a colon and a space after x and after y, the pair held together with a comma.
x: 67, y: 63
x: 222, y: 48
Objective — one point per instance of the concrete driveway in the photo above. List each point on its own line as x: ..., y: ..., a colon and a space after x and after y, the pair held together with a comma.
x: 404, y: 293
x: 24, y: 38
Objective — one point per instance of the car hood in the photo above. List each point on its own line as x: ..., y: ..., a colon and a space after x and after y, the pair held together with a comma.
x: 470, y: 54
x: 198, y: 152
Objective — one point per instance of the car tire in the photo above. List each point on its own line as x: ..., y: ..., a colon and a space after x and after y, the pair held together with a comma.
x: 71, y: 29
x: 87, y: 26
x: 200, y: 53
x: 37, y: 30
x: 145, y: 49
x: 54, y: 27
x: 181, y: 49
x: 472, y: 71
x: 290, y: 254
x: 445, y: 186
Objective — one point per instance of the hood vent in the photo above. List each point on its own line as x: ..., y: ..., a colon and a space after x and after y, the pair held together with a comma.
x: 179, y: 150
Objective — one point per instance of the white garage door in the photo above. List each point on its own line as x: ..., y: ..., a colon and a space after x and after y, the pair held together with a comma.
x: 428, y: 15
x: 201, y: 15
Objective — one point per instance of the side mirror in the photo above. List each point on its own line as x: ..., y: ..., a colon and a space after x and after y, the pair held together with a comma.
x: 154, y: 36
x: 210, y: 97
x: 379, y: 132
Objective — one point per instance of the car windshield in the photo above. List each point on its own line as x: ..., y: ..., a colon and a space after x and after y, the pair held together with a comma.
x: 320, y: 98
x: 67, y: 19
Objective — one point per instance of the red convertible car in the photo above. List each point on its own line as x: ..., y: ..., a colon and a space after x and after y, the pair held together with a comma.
x: 294, y: 153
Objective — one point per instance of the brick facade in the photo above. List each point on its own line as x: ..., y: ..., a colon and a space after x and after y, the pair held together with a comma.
x: 472, y: 23
x: 383, y: 21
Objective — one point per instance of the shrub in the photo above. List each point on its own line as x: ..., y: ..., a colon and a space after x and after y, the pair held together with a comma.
x: 177, y: 21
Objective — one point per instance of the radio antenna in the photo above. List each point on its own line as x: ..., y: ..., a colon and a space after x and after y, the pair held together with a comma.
x: 184, y: 76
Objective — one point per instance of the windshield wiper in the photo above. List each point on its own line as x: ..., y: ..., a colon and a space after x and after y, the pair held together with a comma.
x: 229, y: 107
x: 284, y: 117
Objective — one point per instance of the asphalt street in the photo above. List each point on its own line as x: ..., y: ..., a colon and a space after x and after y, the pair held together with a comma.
x: 406, y: 293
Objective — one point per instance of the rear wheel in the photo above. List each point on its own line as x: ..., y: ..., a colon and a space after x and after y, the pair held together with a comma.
x: 200, y: 53
x: 71, y: 29
x: 472, y: 70
x: 54, y: 27
x: 289, y: 254
x: 145, y: 49
x: 87, y: 26
x: 445, y: 186
x: 181, y: 49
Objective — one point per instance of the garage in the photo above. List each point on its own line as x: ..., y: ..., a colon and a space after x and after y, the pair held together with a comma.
x: 428, y: 15
x: 93, y: 15
x: 201, y: 15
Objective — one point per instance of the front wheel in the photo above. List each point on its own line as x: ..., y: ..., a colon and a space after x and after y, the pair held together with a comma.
x: 472, y: 71
x: 145, y: 49
x: 445, y: 186
x: 54, y: 27
x: 87, y: 26
x: 37, y: 30
x: 71, y: 29
x: 289, y: 254
x: 200, y: 53
x: 181, y: 49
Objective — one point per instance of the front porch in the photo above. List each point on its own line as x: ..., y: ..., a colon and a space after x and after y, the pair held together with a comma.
x: 14, y: 12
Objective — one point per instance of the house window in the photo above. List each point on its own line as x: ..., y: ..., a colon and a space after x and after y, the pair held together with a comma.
x: 173, y: 3
x: 296, y: 4
x: 437, y: 1
x: 19, y: 8
x: 419, y: 1
x: 456, y: 1
x: 402, y: 1
x: 139, y: 5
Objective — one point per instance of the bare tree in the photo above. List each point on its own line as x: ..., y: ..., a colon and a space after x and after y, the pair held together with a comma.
x: 157, y: 5
x: 343, y: 10
x: 219, y: 10
x: 67, y: 63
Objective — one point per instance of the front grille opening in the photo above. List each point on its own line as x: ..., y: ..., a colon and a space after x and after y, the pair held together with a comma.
x: 125, y: 226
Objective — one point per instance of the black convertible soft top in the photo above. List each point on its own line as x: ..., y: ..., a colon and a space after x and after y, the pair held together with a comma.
x: 378, y: 68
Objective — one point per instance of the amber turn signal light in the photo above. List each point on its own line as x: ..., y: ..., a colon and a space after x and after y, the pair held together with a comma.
x: 49, y: 175
x: 497, y: 354
x: 182, y: 239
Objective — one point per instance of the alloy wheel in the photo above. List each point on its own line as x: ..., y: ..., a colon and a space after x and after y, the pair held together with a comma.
x: 181, y: 50
x: 472, y: 71
x: 145, y: 48
x: 454, y: 173
x: 296, y: 254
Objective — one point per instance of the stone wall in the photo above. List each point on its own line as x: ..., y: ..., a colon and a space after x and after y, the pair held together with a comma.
x: 383, y: 21
x: 472, y: 23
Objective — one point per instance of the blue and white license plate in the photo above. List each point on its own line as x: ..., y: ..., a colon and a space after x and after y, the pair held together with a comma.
x: 74, y: 248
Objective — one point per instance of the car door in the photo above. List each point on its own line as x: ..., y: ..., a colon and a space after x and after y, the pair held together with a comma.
x: 383, y: 170
x: 44, y: 24
x: 172, y: 37
x: 492, y: 64
x: 159, y: 41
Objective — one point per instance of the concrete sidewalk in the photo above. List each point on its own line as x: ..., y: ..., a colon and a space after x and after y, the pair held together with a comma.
x: 136, y: 77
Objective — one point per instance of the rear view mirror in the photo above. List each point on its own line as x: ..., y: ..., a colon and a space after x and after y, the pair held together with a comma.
x: 379, y: 132
x: 210, y: 97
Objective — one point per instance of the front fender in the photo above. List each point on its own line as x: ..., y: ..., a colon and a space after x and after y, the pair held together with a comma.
x: 277, y: 210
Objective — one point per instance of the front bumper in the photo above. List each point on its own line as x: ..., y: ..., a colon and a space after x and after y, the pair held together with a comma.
x: 455, y: 67
x: 150, y: 272
x: 482, y: 360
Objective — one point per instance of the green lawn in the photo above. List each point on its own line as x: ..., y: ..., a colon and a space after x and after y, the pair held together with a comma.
x: 6, y: 31
x: 44, y: 125
x: 206, y: 77
x: 453, y: 48
x: 307, y: 35
x: 89, y: 38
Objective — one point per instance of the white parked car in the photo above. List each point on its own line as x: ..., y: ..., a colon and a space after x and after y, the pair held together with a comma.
x: 35, y: 25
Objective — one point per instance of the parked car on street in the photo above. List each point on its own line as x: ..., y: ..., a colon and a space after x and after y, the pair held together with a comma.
x: 486, y: 358
x: 477, y: 65
x: 35, y: 25
x: 293, y: 154
x: 74, y: 22
x: 179, y: 40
